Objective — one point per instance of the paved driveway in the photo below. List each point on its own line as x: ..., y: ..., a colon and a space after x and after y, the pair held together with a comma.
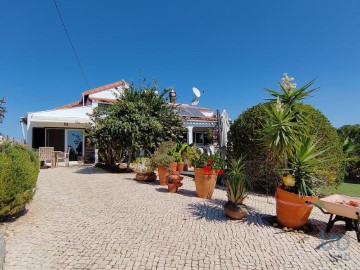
x: 85, y: 218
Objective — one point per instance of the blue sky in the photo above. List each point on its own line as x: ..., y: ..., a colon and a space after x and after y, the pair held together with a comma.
x: 229, y: 49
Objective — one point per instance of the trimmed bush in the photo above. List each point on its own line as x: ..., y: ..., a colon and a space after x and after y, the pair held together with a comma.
x: 19, y: 169
x: 245, y: 138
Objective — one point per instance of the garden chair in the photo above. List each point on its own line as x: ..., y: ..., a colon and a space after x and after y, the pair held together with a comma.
x: 47, y: 154
x: 65, y: 156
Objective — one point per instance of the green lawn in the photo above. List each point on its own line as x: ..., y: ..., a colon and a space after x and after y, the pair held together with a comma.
x: 349, y: 189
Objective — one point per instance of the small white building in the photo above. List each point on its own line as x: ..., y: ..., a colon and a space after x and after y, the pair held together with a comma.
x: 65, y: 126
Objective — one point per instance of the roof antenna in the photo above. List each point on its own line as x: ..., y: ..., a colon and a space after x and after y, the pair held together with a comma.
x: 195, y: 101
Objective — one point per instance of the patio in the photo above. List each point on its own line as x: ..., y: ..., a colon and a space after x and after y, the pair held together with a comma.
x: 85, y: 218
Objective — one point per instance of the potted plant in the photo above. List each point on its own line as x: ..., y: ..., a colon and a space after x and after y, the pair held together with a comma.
x: 297, y: 187
x: 236, y: 181
x: 144, y: 169
x: 188, y: 154
x: 174, y: 181
x: 162, y: 159
x: 180, y: 151
x: 287, y: 134
x: 206, y: 168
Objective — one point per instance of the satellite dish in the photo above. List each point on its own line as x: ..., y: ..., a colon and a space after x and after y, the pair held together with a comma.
x: 196, y: 92
x: 195, y: 101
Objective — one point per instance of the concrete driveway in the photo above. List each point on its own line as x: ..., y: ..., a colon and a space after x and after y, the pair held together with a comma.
x: 85, y: 218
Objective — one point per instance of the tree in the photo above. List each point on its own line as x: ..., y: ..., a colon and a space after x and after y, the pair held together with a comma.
x: 139, y: 119
x: 350, y: 137
x: 2, y: 109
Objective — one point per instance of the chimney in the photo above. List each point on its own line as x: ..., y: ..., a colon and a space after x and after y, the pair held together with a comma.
x: 172, y: 96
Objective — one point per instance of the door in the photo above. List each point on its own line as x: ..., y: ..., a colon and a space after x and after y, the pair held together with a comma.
x: 55, y: 138
x: 75, y: 140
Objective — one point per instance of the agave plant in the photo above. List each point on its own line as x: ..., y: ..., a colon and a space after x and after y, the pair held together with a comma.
x: 237, y: 181
x: 305, y: 164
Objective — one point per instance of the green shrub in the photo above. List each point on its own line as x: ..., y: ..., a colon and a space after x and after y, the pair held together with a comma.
x: 19, y: 169
x: 245, y: 139
x: 163, y: 155
x: 350, y: 136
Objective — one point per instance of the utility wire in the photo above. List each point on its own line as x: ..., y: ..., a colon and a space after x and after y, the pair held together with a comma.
x: 72, y: 46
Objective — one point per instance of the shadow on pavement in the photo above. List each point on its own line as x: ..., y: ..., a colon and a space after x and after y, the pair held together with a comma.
x: 208, y: 212
x: 187, y: 192
x: 162, y: 189
x: 91, y: 170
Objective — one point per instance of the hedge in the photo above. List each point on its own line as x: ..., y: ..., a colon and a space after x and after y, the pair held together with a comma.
x: 245, y: 138
x: 19, y: 169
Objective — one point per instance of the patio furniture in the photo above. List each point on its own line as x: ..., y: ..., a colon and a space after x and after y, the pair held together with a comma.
x: 46, y: 154
x: 64, y: 156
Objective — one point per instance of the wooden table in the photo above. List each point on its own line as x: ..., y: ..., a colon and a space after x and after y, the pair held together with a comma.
x: 55, y: 158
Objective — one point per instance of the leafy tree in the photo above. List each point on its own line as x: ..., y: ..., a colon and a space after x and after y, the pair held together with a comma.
x: 2, y: 109
x: 139, y: 119
x: 350, y: 137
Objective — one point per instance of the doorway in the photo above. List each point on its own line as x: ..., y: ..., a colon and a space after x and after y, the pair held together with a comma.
x: 75, y: 140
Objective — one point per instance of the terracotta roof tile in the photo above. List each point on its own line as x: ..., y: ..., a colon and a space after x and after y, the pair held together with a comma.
x: 105, y: 87
x: 71, y: 105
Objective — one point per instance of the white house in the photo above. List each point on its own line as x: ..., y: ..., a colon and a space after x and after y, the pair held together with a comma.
x: 64, y: 126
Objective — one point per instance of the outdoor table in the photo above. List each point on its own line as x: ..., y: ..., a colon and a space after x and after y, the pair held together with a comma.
x: 55, y: 157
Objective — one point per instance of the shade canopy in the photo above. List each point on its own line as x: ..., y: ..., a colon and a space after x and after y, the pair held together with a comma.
x: 69, y: 115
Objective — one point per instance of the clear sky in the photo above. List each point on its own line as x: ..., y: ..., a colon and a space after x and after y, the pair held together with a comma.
x: 229, y: 49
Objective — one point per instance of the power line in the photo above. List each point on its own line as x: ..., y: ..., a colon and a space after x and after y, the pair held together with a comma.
x: 72, y: 46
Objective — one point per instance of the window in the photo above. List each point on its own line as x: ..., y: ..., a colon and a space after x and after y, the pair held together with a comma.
x: 199, y: 138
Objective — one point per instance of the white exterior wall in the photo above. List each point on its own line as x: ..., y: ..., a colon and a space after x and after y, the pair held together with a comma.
x: 110, y: 94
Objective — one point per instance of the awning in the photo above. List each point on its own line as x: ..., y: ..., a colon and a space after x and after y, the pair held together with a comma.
x: 77, y: 115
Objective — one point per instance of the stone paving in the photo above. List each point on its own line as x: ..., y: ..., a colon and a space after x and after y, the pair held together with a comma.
x: 85, y: 218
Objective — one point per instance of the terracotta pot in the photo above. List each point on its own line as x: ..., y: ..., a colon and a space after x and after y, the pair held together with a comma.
x: 291, y: 209
x: 175, y: 176
x: 162, y: 171
x: 173, y: 166
x: 180, y: 166
x: 235, y: 211
x: 146, y: 177
x: 173, y: 188
x: 205, y: 183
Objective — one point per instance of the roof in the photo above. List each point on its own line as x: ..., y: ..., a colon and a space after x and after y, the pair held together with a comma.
x: 205, y: 118
x: 92, y: 91
x: 105, y: 87
x: 70, y: 105
x: 186, y: 111
x: 191, y: 106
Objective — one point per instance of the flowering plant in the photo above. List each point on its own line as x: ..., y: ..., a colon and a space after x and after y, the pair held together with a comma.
x: 208, y: 162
